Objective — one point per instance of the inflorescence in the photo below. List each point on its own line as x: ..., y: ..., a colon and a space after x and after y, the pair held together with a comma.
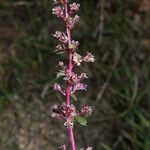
x: 67, y: 111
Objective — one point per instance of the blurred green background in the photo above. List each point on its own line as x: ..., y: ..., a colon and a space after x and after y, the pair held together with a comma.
x: 117, y: 32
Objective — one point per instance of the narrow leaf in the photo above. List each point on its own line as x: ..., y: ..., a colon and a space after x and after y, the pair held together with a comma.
x: 81, y: 120
x: 74, y: 97
x: 60, y: 74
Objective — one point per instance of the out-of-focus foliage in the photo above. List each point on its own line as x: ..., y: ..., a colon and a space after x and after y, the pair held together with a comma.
x: 119, y: 82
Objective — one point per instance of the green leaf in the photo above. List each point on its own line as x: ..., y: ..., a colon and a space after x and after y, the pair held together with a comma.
x: 74, y: 97
x: 81, y: 120
x: 60, y: 74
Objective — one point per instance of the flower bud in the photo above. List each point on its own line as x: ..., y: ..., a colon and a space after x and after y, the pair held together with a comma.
x: 89, y: 58
x: 74, y: 7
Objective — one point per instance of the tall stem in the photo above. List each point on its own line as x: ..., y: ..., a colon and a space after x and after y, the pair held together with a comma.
x: 72, y: 139
x: 70, y: 66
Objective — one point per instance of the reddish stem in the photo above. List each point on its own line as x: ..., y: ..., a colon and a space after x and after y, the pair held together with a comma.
x: 72, y: 139
x: 70, y: 66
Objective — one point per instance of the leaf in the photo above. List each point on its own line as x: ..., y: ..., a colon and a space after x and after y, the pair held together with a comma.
x: 59, y: 74
x: 74, y: 97
x: 81, y: 120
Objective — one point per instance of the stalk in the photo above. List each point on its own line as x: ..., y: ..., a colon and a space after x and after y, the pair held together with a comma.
x: 71, y: 134
x: 65, y: 11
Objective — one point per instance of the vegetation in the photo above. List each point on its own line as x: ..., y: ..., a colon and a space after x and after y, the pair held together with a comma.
x: 117, y: 32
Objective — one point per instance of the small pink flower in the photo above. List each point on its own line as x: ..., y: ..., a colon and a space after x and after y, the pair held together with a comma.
x: 78, y: 87
x: 86, y: 111
x: 61, y: 64
x: 70, y: 111
x: 61, y: 37
x: 89, y: 58
x: 77, y: 59
x: 74, y: 79
x: 74, y: 44
x: 60, y: 49
x: 64, y: 147
x: 58, y: 88
x: 58, y: 11
x: 55, y: 114
x: 65, y: 112
x: 83, y: 76
x: 69, y: 123
x: 72, y: 21
x: 74, y: 7
x: 70, y: 114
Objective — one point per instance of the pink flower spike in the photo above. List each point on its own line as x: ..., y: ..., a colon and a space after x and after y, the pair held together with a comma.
x: 58, y: 11
x: 61, y: 37
x: 73, y: 80
x: 89, y: 57
x: 74, y: 7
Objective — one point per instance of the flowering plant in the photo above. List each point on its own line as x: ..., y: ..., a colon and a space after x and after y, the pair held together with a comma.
x: 67, y: 111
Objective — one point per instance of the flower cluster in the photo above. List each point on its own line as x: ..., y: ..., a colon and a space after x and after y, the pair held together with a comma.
x: 70, y: 22
x: 59, y: 11
x: 86, y: 111
x: 67, y: 111
x: 78, y: 59
x: 74, y: 45
x: 74, y: 80
x: 61, y: 36
x: 74, y: 7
